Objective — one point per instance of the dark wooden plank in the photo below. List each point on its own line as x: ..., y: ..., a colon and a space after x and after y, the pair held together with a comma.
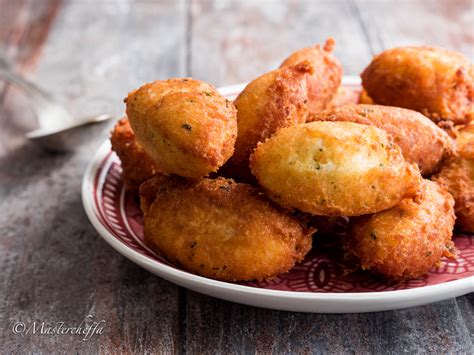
x: 55, y: 267
x: 228, y: 327
x: 466, y: 309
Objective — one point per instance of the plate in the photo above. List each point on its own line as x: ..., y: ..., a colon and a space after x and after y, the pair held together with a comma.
x: 316, y: 285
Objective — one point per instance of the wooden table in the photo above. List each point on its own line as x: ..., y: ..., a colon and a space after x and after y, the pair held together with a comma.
x: 54, y: 265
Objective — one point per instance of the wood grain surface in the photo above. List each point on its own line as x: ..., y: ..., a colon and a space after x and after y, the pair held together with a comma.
x: 89, y: 54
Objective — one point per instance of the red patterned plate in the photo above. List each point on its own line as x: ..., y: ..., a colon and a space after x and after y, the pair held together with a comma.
x: 315, y: 285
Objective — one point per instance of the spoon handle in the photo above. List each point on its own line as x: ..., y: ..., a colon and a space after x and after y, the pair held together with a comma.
x: 26, y: 85
x: 47, y: 111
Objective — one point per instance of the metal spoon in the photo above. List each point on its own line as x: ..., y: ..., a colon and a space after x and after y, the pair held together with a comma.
x: 58, y: 129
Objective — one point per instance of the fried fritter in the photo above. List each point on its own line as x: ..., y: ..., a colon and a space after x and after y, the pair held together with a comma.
x: 221, y: 229
x: 274, y: 100
x: 407, y: 240
x: 365, y: 99
x: 184, y: 125
x: 465, y: 141
x: 421, y: 141
x: 326, y: 77
x: 137, y: 166
x: 334, y: 169
x: 434, y: 81
x: 458, y: 176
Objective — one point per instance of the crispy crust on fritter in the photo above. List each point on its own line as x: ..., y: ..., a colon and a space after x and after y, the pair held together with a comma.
x: 465, y: 141
x: 458, y: 176
x: 365, y: 99
x: 334, y: 169
x: 221, y: 229
x: 274, y: 100
x: 407, y: 240
x: 434, y: 81
x: 137, y: 166
x: 421, y: 141
x: 326, y: 77
x: 184, y: 125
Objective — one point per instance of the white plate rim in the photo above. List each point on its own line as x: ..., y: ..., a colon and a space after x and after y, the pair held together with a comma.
x: 324, y: 302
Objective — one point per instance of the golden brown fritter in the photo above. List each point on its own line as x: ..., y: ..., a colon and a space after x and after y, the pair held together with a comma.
x: 458, y: 176
x: 137, y: 166
x: 407, y: 240
x: 274, y: 100
x: 334, y: 169
x: 184, y: 125
x: 326, y: 77
x: 421, y: 141
x: 365, y: 99
x: 221, y: 229
x: 434, y: 81
x: 465, y: 141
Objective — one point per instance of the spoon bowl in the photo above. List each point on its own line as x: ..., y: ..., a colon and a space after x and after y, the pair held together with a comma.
x: 68, y: 137
x: 58, y: 130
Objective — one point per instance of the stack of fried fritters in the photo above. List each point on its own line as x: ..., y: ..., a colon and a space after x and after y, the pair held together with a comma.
x: 235, y: 190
